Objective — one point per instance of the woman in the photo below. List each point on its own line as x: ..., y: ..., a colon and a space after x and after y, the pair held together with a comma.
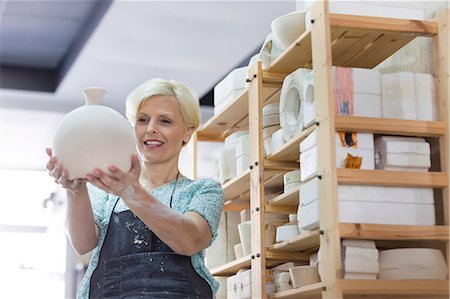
x: 148, y: 227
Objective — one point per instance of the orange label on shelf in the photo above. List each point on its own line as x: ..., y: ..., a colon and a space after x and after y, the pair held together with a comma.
x: 348, y: 139
x: 352, y: 162
x: 343, y: 90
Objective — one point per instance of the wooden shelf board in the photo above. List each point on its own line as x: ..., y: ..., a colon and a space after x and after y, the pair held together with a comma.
x: 392, y: 178
x: 306, y: 292
x: 394, y: 287
x: 290, y: 152
x: 238, y: 188
x: 234, y: 116
x: 273, y: 259
x: 216, y: 128
x: 286, y: 199
x: 390, y: 126
x: 236, y: 205
x: 306, y: 240
x: 394, y: 232
x: 232, y: 267
x: 356, y: 42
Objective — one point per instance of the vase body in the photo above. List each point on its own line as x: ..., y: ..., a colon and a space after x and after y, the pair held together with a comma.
x: 93, y: 136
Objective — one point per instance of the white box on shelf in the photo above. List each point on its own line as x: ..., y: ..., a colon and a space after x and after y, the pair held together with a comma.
x: 235, y: 80
x: 370, y: 204
x: 232, y: 288
x: 364, y: 276
x: 402, y: 153
x: 242, y: 147
x: 386, y: 213
x: 365, y: 81
x: 425, y: 97
x: 358, y: 264
x: 362, y: 146
x: 402, y: 145
x: 370, y: 254
x: 423, y: 196
x: 286, y: 232
x: 398, y: 96
x: 413, y: 263
x: 230, y: 140
x: 227, y: 164
x: 357, y: 92
x: 219, y: 106
x: 243, y: 281
x: 242, y: 164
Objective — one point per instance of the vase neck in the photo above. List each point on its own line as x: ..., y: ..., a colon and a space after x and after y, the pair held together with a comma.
x: 93, y: 95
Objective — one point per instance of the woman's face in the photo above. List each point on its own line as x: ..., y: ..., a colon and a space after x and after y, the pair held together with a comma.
x: 160, y: 130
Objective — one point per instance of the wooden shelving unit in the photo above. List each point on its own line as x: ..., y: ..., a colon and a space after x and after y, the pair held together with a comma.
x: 335, y: 40
x: 273, y: 259
x: 372, y: 287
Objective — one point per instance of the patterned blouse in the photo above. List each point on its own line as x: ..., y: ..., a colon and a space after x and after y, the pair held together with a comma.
x: 203, y: 196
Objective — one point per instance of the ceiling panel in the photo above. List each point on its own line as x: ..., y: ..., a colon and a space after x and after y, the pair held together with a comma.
x: 62, y: 9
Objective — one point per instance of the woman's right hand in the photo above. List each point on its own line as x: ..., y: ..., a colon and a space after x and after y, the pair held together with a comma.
x: 61, y: 176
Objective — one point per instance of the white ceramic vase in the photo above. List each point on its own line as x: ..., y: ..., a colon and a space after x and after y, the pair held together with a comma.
x: 287, y: 28
x: 93, y: 136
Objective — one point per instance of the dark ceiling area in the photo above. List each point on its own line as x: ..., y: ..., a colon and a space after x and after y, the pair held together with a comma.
x: 40, y: 40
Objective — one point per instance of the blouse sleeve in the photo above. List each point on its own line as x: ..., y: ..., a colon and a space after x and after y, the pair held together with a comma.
x: 98, y: 199
x: 208, y: 202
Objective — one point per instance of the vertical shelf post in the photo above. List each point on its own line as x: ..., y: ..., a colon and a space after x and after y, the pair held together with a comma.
x: 442, y: 76
x: 257, y: 201
x: 326, y: 147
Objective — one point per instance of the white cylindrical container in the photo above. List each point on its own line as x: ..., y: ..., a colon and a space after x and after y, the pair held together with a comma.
x: 291, y: 104
x: 93, y: 136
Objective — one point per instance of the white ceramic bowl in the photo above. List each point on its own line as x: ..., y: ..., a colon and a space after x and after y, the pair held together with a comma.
x: 287, y: 28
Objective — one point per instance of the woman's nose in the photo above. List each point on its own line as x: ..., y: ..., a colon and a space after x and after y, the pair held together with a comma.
x: 151, y: 127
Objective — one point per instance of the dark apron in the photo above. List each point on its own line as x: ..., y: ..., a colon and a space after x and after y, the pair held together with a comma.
x: 134, y: 263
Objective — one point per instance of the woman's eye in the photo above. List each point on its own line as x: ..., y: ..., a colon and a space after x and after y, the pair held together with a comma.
x: 142, y: 120
x: 166, y: 121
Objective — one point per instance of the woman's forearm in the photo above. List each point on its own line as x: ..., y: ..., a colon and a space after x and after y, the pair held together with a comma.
x: 81, y: 228
x: 185, y: 234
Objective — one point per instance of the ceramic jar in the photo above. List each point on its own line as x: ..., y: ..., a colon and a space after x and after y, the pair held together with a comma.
x: 93, y: 136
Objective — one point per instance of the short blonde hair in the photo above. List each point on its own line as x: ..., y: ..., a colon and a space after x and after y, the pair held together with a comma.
x: 186, y: 98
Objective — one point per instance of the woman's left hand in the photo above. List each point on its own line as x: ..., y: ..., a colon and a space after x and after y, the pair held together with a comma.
x: 118, y: 183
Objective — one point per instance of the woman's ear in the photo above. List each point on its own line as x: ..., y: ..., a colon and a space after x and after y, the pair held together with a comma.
x: 187, y: 135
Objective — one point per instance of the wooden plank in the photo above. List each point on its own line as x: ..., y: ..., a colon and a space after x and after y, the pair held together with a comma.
x: 234, y: 116
x: 280, y: 165
x: 257, y: 200
x: 273, y: 259
x: 390, y: 126
x: 238, y: 187
x: 392, y: 178
x: 236, y: 205
x: 216, y: 128
x: 305, y: 241
x: 395, y: 287
x: 281, y: 209
x: 326, y: 150
x: 384, y: 25
x: 306, y: 292
x: 297, y: 55
x: 290, y: 198
x: 280, y: 257
x: 394, y: 232
x: 291, y: 150
x: 232, y: 267
x: 364, y: 46
x: 442, y: 73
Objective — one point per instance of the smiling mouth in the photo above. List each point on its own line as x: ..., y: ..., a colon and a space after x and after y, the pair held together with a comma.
x: 153, y: 143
